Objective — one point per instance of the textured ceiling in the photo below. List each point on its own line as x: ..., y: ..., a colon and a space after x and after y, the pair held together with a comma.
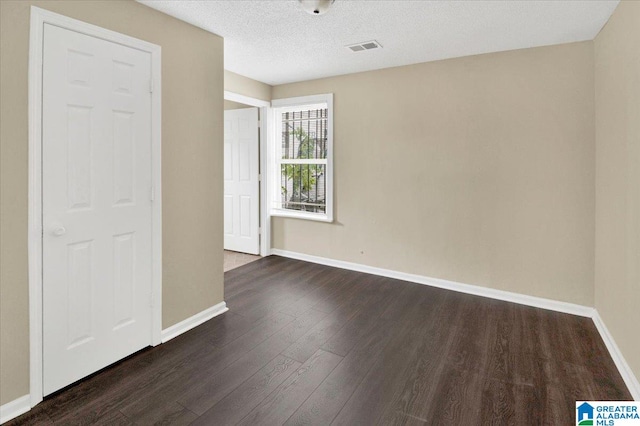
x: 276, y: 42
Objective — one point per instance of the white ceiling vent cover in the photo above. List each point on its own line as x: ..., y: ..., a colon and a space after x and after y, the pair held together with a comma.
x: 365, y: 45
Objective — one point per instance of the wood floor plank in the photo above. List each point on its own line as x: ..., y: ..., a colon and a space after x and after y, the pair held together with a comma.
x: 329, y: 398
x: 332, y: 284
x: 364, y: 321
x: 235, y: 406
x: 176, y: 388
x: 302, y: 349
x: 201, y: 398
x: 556, y: 406
x: 410, y: 396
x: 311, y: 344
x: 350, y: 306
x: 166, y: 383
x: 158, y: 412
x: 234, y: 278
x: 287, y: 278
x: 348, y: 288
x: 408, y: 300
x: 508, y: 360
x: 469, y: 350
x: 222, y: 336
x: 455, y: 398
x: 113, y: 417
x: 276, y: 408
x: 271, y: 271
x: 367, y: 402
x: 146, y: 367
x: 215, y: 386
x: 506, y: 403
x: 378, y: 391
x: 278, y: 297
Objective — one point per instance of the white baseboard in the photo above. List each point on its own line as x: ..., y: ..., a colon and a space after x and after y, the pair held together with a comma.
x: 13, y: 409
x: 569, y: 308
x: 523, y: 299
x: 625, y: 370
x: 194, y: 321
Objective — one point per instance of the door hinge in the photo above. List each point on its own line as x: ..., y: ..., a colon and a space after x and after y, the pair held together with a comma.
x: 259, y: 231
x: 259, y: 123
x: 151, y: 86
x: 153, y: 194
x: 260, y: 177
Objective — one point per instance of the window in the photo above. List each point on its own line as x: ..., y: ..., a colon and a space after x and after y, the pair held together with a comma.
x: 301, y: 158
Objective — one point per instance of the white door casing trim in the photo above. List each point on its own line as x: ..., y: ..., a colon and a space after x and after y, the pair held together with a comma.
x: 523, y: 299
x: 247, y: 100
x: 38, y: 18
x: 265, y: 218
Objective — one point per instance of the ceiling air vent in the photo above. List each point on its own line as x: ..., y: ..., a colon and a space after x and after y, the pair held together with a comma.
x: 366, y: 45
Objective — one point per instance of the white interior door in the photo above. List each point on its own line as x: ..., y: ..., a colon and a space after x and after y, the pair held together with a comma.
x: 241, y: 185
x: 96, y: 181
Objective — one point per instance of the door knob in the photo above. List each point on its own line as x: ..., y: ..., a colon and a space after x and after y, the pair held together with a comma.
x: 59, y: 230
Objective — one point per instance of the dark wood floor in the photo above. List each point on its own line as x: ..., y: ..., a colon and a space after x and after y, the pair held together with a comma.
x: 310, y: 344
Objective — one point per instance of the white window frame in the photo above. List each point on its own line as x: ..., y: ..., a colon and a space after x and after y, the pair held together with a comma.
x: 279, y: 106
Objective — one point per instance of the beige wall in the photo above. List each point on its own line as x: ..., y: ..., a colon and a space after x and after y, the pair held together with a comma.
x: 617, y: 88
x: 192, y: 86
x: 478, y: 170
x: 246, y: 86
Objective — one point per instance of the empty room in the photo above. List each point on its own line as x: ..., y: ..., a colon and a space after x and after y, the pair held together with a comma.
x: 320, y: 212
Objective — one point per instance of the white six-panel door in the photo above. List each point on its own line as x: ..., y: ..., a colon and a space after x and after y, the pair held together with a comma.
x: 241, y: 184
x: 96, y: 180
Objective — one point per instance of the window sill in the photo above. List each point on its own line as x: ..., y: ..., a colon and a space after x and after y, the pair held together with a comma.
x: 301, y: 215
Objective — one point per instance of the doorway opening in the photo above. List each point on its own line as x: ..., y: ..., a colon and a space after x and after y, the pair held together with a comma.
x: 246, y: 223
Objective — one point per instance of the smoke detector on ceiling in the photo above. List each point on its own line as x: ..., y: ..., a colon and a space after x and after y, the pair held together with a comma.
x: 365, y: 45
x: 316, y: 7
